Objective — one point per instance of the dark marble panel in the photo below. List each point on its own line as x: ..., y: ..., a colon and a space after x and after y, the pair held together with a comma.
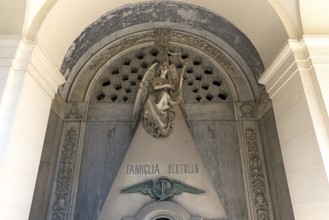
x: 46, y: 168
x: 218, y: 144
x: 282, y: 206
x: 105, y: 146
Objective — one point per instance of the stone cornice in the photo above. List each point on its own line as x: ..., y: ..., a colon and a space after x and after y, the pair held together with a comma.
x: 43, y: 70
x: 22, y: 55
x: 292, y: 58
x: 295, y: 56
x: 317, y: 49
x: 283, y: 68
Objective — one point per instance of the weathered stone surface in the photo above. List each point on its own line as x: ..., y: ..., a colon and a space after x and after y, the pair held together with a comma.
x: 105, y: 146
x: 110, y: 112
x: 218, y: 144
x: 209, y: 111
x: 168, y: 12
x: 47, y: 168
x: 281, y: 202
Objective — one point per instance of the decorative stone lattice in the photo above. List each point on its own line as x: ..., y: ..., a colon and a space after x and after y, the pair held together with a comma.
x: 65, y: 177
x: 119, y: 82
x: 257, y: 177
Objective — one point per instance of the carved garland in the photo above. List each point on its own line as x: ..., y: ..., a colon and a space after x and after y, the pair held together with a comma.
x: 257, y: 178
x: 65, y: 177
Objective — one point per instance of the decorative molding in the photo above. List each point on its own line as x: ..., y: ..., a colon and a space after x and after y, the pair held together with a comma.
x: 162, y: 188
x: 174, y: 36
x: 64, y: 181
x: 9, y: 46
x: 43, y: 70
x: 264, y: 104
x: 29, y: 56
x: 247, y: 110
x: 23, y: 55
x: 295, y: 56
x: 99, y: 61
x: 124, y: 44
x: 76, y: 112
x: 204, y: 46
x: 257, y: 177
x: 281, y: 70
x: 162, y: 38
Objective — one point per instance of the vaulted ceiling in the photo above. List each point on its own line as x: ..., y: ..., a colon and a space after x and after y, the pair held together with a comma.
x: 267, y: 24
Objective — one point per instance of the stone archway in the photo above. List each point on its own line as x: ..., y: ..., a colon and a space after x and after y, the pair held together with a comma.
x: 225, y: 105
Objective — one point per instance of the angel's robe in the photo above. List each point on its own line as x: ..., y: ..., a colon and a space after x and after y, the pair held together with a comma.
x: 157, y: 107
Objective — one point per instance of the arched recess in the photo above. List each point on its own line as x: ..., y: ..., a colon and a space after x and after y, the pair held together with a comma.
x: 92, y: 136
x: 240, y: 78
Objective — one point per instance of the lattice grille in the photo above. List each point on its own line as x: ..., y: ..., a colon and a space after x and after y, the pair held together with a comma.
x: 119, y: 82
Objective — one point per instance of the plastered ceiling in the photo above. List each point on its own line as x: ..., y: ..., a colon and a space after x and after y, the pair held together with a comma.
x: 268, y: 24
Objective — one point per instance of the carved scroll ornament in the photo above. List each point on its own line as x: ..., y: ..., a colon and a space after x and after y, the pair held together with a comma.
x: 65, y: 177
x: 257, y: 177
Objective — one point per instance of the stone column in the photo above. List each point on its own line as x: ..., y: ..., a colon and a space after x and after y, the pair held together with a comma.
x: 30, y: 82
x: 297, y: 83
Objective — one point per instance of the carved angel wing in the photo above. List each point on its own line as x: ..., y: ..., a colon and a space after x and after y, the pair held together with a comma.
x: 179, y: 188
x: 142, y: 93
x: 145, y: 188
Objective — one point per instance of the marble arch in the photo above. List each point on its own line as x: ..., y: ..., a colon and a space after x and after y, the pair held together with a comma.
x: 291, y: 38
x: 115, y: 26
x: 122, y: 32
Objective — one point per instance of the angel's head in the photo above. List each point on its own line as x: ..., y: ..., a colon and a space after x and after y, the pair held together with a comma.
x: 164, y: 69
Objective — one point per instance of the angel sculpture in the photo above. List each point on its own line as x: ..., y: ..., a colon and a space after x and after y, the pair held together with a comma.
x: 159, y: 90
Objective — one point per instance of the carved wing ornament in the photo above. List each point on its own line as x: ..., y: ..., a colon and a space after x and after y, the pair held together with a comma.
x: 162, y: 188
x: 142, y: 93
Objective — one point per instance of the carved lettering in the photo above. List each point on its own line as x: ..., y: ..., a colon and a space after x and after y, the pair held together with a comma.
x: 142, y: 169
x: 183, y: 169
x: 149, y: 169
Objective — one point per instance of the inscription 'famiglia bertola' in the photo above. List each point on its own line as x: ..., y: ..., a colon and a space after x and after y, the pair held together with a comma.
x: 145, y: 169
x: 142, y: 169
